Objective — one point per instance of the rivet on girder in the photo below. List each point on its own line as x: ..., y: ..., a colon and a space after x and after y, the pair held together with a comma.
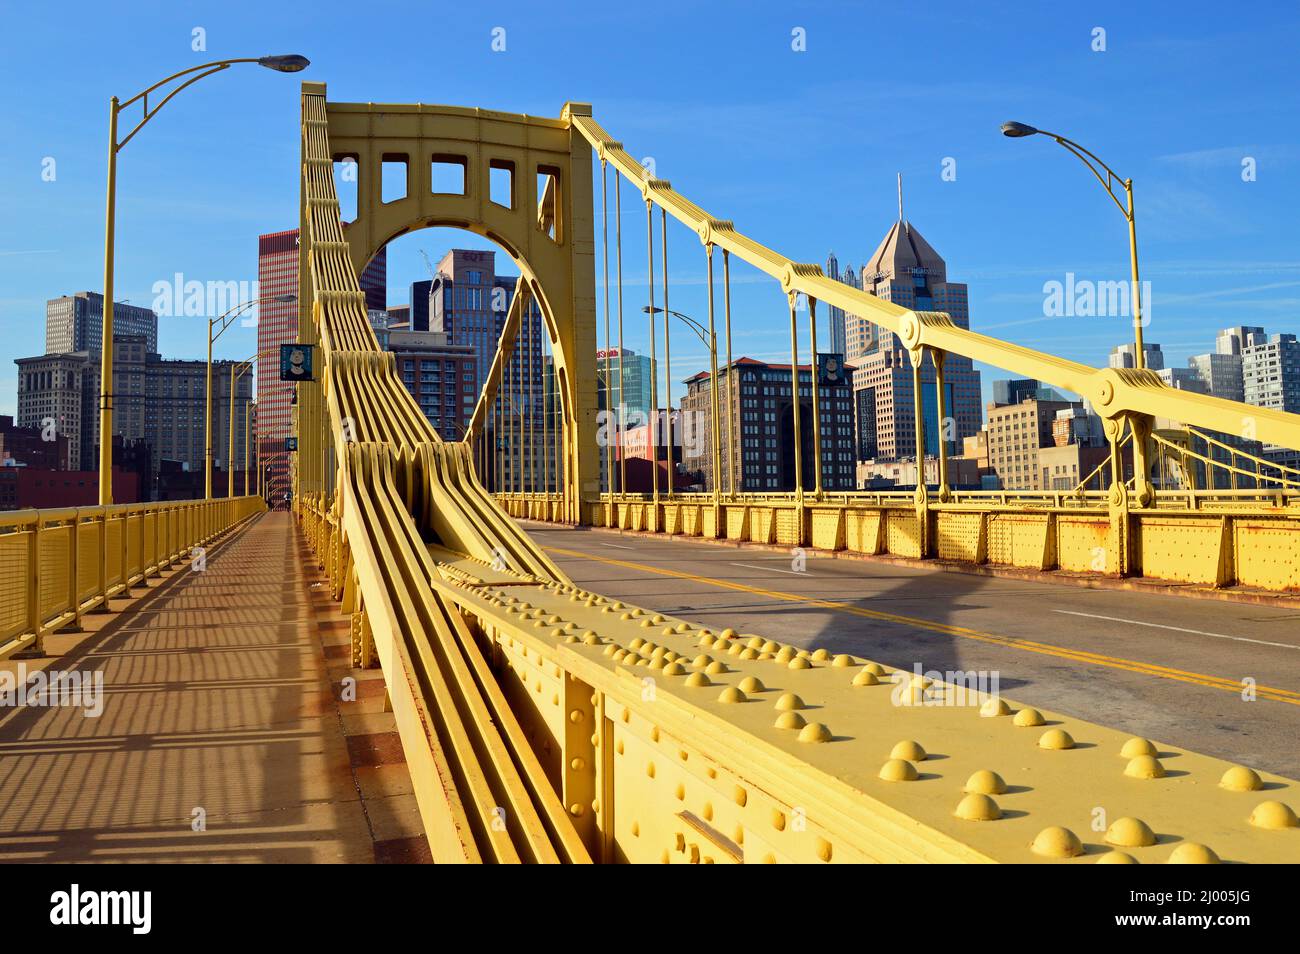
x: 865, y: 677
x: 1056, y: 739
x: 909, y: 750
x: 1028, y: 718
x: 978, y: 807
x: 997, y: 706
x: 1130, y: 833
x: 815, y: 732
x: 790, y: 720
x: 1273, y: 816
x: 1241, y: 779
x: 986, y: 782
x: 1190, y: 853
x: 1144, y: 766
x: 898, y: 770
x: 1137, y: 746
x: 1057, y: 842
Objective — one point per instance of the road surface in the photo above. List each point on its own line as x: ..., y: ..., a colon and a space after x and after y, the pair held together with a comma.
x: 1218, y: 677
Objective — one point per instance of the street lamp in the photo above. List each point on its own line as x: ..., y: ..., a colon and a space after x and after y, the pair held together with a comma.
x: 225, y: 320
x: 237, y: 371
x: 709, y: 339
x: 291, y: 63
x: 1014, y: 130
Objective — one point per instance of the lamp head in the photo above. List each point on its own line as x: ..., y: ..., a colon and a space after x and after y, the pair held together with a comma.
x: 285, y: 63
x: 1017, y: 130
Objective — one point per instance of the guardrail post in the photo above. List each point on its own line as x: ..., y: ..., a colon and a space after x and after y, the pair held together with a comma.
x: 37, y: 647
x: 74, y: 571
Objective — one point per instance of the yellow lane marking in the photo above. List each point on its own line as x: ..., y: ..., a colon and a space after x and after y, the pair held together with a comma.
x: 1078, y: 655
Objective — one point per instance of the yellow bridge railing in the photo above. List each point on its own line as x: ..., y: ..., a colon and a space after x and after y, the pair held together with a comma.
x: 57, y: 564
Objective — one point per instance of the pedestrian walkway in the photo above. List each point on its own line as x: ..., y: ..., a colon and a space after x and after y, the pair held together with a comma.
x: 228, y: 732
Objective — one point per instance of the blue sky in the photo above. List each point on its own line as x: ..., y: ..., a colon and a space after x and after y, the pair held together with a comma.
x: 799, y: 148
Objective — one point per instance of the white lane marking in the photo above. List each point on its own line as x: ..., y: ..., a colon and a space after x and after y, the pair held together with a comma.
x: 1179, y: 629
x: 617, y: 546
x: 775, y: 569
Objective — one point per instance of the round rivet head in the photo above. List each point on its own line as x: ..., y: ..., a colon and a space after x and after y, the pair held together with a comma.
x: 978, y: 807
x: 821, y: 655
x: 753, y: 642
x: 1055, y: 739
x: 727, y: 633
x: 799, y: 662
x: 1273, y: 815
x: 731, y: 694
x: 790, y: 720
x: 789, y: 701
x: 1130, y: 833
x: 1116, y: 858
x: 1137, y: 746
x: 842, y: 661
x: 1241, y: 779
x: 1190, y: 853
x: 751, y: 684
x: 706, y: 639
x: 1028, y: 718
x: 815, y: 732
x: 898, y: 770
x: 1144, y: 766
x: 696, y: 679
x: 909, y: 750
x: 674, y: 669
x: 865, y: 677
x: 716, y: 668
x: 986, y: 782
x: 700, y: 661
x: 997, y: 706
x: 1057, y: 842
x: 874, y: 668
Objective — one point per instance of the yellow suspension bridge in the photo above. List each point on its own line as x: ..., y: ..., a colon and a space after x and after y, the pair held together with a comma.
x: 547, y: 719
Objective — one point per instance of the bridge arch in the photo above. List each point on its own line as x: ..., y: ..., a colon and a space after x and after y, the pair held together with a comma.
x: 545, y: 226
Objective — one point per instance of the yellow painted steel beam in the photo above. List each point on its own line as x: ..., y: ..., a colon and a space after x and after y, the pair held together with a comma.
x: 769, y: 752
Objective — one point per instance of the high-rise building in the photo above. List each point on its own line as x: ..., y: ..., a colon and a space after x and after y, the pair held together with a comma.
x: 629, y: 375
x: 419, y: 314
x: 835, y: 320
x: 762, y: 425
x: 51, y: 390
x: 905, y: 270
x: 277, y: 324
x: 1125, y: 355
x: 440, y: 376
x: 76, y: 323
x: 1014, y: 391
x: 1016, y: 433
x: 1270, y: 370
x: 468, y: 302
x: 158, y: 404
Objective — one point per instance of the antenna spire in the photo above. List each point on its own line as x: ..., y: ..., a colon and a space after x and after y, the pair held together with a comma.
x: 900, y: 197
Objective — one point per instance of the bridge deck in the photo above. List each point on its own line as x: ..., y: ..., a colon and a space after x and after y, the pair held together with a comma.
x: 220, y: 704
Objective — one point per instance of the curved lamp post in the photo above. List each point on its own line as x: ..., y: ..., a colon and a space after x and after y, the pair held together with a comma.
x: 291, y: 63
x: 1014, y: 130
x: 224, y: 321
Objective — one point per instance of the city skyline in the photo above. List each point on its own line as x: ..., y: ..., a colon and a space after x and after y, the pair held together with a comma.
x: 1216, y: 249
